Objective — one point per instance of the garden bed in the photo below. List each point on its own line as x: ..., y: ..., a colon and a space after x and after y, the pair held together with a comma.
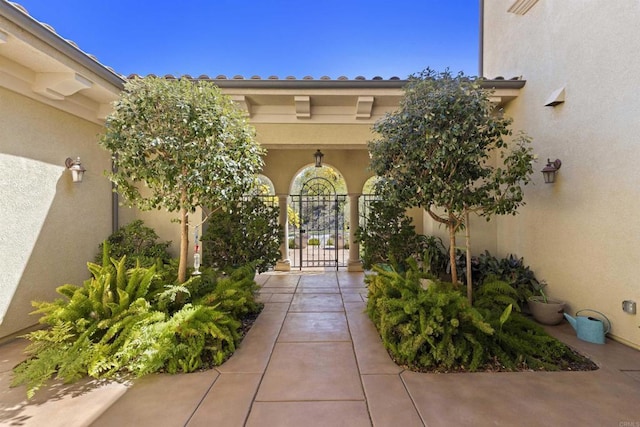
x: 132, y: 322
x: 576, y: 363
x: 430, y: 326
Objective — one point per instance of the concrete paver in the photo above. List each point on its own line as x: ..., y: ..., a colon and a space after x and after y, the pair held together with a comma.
x: 253, y: 354
x: 228, y: 402
x: 309, y: 414
x: 305, y: 327
x: 316, y: 302
x: 525, y: 398
x: 311, y: 371
x: 314, y: 358
x: 370, y: 353
x: 158, y: 400
x: 57, y: 405
x: 389, y: 402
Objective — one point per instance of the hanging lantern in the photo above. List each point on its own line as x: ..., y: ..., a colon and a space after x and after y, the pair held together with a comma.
x: 318, y: 155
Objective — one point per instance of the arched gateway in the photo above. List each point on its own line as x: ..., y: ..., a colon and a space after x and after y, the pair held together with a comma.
x: 319, y: 241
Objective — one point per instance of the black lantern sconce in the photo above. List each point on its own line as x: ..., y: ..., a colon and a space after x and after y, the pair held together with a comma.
x: 549, y: 172
x: 76, y: 168
x: 318, y: 155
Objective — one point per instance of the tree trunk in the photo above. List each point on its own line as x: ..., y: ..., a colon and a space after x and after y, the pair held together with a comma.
x: 184, y: 245
x: 467, y: 238
x: 452, y: 249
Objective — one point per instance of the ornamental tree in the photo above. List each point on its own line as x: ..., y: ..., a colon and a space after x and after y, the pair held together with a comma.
x: 186, y: 143
x: 446, y: 150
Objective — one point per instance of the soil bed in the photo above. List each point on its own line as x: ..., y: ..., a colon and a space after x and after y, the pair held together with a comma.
x: 577, y: 363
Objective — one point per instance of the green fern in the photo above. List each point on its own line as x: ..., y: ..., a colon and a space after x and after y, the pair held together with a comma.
x: 495, y: 294
x: 433, y: 328
x: 128, y: 321
x: 194, y: 337
x: 436, y: 329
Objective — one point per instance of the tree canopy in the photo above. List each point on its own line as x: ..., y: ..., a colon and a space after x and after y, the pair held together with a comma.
x: 185, y: 142
x: 446, y: 150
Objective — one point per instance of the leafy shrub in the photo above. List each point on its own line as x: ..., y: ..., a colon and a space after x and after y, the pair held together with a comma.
x: 330, y: 242
x: 241, y: 233
x: 389, y: 237
x: 138, y: 242
x: 435, y: 255
x: 314, y: 241
x: 130, y: 321
x: 427, y: 324
x: 510, y: 269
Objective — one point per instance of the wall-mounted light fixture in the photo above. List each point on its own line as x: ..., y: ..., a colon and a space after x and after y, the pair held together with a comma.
x: 549, y: 171
x: 318, y: 155
x: 76, y: 168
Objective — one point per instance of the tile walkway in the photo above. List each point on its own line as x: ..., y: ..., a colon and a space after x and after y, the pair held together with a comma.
x: 313, y: 358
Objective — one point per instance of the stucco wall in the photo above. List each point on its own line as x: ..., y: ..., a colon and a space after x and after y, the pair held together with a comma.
x: 282, y: 166
x: 312, y: 133
x: 580, y: 234
x: 50, y: 226
x: 482, y: 233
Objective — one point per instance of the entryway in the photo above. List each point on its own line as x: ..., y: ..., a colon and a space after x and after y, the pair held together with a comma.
x: 321, y: 238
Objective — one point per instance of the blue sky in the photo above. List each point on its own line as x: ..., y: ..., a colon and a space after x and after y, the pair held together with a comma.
x: 283, y: 38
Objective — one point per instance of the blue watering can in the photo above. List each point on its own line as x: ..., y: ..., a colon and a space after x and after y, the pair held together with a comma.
x: 589, y: 328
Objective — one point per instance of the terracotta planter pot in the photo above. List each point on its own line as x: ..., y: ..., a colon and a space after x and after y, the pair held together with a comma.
x: 547, y: 313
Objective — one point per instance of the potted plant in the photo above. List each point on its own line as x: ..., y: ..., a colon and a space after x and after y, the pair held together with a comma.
x: 545, y: 310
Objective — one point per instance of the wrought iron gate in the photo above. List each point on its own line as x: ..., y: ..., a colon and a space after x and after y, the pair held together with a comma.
x: 365, y: 201
x: 320, y: 241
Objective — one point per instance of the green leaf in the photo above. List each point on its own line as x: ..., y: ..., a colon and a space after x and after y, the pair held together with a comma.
x: 505, y: 314
x: 184, y: 142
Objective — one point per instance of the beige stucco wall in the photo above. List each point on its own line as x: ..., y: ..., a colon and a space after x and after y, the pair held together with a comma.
x: 482, y: 234
x: 315, y: 134
x: 282, y: 166
x: 50, y: 226
x: 580, y: 234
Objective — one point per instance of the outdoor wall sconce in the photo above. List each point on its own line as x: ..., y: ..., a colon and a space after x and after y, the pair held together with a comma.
x: 76, y: 168
x: 318, y: 155
x: 549, y: 172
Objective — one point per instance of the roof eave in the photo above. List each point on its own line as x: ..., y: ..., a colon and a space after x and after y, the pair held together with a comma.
x: 394, y: 83
x: 39, y: 31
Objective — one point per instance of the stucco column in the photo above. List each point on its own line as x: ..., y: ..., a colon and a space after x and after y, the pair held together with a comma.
x: 284, y: 264
x: 355, y: 263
